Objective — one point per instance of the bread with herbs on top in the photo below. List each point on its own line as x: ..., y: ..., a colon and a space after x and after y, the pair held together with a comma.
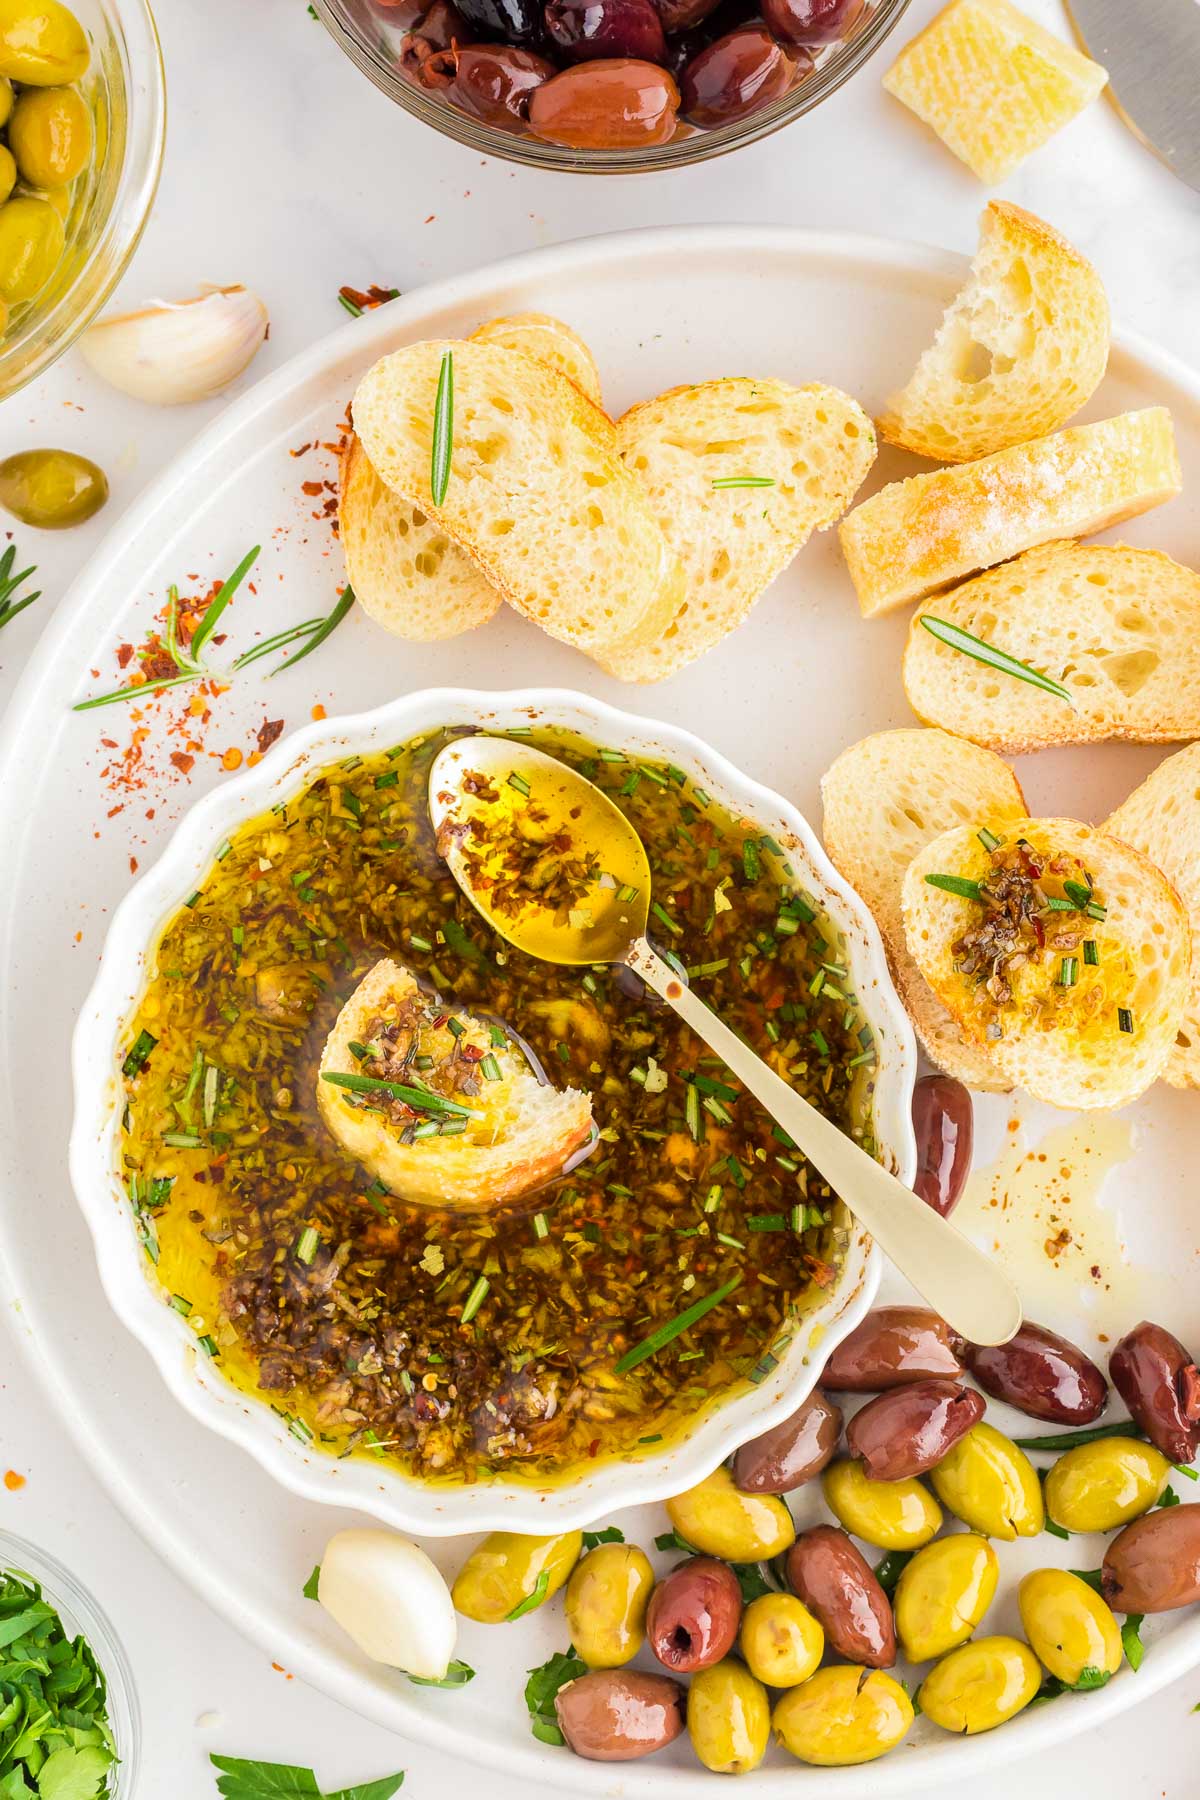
x: 1023, y: 345
x: 1062, y: 951
x: 918, y: 536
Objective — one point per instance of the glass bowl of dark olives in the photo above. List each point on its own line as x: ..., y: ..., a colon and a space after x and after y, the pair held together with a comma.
x: 608, y: 86
x: 82, y: 122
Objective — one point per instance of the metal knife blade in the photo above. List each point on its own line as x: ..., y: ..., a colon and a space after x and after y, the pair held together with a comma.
x: 1152, y: 53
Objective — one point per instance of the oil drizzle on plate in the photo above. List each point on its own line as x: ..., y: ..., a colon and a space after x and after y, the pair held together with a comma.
x: 1041, y: 1208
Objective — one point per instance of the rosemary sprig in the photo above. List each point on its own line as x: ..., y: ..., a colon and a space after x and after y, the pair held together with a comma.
x: 443, y: 430
x: 9, y: 583
x: 133, y: 693
x: 744, y: 481
x: 420, y: 1099
x: 219, y: 602
x: 957, y: 639
x: 666, y: 1334
x: 324, y: 628
x: 278, y: 642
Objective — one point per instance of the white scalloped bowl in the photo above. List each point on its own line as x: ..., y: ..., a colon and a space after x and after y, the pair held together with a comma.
x: 128, y: 1277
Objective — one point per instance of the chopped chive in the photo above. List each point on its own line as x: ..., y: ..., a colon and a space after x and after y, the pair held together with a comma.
x: 957, y: 639
x: 988, y: 839
x: 661, y: 913
x: 744, y: 481
x: 490, y: 1068
x: 751, y: 861
x: 626, y: 894
x: 519, y: 782
x: 541, y: 1226
x: 1091, y: 953
x: 308, y: 1243
x: 766, y: 1222
x: 1068, y: 973
x: 692, y: 1114
x: 1124, y: 1019
x: 178, y: 1304
x: 956, y: 884
x: 443, y: 430
x: 208, y: 1344
x: 666, y: 1334
x: 138, y: 1054
x: 182, y: 1140
x: 475, y: 1299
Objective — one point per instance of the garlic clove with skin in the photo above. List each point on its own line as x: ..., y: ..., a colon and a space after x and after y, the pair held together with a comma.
x: 172, y: 352
x: 388, y: 1596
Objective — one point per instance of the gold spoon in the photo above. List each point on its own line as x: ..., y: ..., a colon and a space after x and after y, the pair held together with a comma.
x: 521, y: 797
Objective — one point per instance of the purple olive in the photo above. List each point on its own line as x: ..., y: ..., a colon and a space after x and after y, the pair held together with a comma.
x: 905, y: 1432
x: 789, y: 1454
x: 838, y: 1586
x: 1160, y: 1384
x: 617, y: 1715
x: 1154, y: 1564
x: 683, y: 15
x: 694, y: 1613
x: 440, y: 27
x: 512, y: 21
x: 736, y: 75
x: 583, y: 29
x: 943, y: 1121
x: 811, y: 22
x: 894, y: 1344
x: 492, y: 82
x: 1042, y: 1375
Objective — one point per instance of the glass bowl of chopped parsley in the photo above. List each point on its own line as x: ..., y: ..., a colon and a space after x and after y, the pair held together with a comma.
x: 69, y: 1722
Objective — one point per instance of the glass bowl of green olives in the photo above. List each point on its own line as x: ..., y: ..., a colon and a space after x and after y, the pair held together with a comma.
x: 82, y: 121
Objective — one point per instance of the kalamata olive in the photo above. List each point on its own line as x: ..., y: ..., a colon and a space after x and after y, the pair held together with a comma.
x: 902, y: 1433
x: 836, y: 1583
x: 736, y: 75
x: 440, y: 27
x: 682, y: 15
x: 694, y: 1613
x: 1041, y: 1374
x: 492, y: 82
x: 513, y: 21
x: 1160, y: 1384
x: 1154, y: 1564
x: 894, y: 1344
x: 617, y: 104
x: 790, y: 1454
x: 944, y: 1123
x: 617, y: 1715
x: 585, y: 29
x: 813, y: 22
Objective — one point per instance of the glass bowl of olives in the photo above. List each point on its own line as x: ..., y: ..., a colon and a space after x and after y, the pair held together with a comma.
x: 608, y: 86
x: 82, y: 120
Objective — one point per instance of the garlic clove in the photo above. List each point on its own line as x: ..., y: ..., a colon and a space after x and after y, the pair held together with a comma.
x: 388, y: 1596
x: 171, y: 352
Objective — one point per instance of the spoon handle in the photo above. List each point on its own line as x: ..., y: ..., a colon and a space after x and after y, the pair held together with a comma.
x: 971, y: 1292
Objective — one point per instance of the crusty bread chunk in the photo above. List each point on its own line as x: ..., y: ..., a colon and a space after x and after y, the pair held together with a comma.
x: 1162, y: 820
x: 992, y: 83
x: 406, y: 573
x: 884, y: 799
x: 481, y: 1127
x: 547, y: 340
x: 1023, y: 346
x: 1118, y: 628
x: 813, y: 447
x: 925, y: 533
x: 537, y: 495
x: 1074, y: 1026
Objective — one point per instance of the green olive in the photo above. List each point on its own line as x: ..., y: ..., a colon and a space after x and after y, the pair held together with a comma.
x: 980, y: 1685
x: 896, y: 1515
x: 843, y: 1715
x: 728, y: 1718
x: 51, y: 488
x: 1068, y: 1625
x: 8, y: 173
x: 990, y: 1485
x: 31, y: 241
x: 780, y: 1640
x: 721, y: 1521
x: 606, y: 1602
x: 7, y: 97
x: 42, y: 44
x: 943, y: 1593
x: 508, y: 1572
x: 50, y: 135
x: 1098, y: 1486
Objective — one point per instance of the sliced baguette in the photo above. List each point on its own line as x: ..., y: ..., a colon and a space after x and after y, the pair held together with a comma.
x: 522, y: 1136
x: 1118, y: 628
x: 813, y: 444
x: 926, y: 533
x: 884, y: 799
x: 1162, y: 820
x: 406, y: 573
x: 1022, y: 347
x: 1063, y: 1042
x: 537, y: 495
x: 548, y: 341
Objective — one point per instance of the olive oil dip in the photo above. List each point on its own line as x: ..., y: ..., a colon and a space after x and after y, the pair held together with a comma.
x: 604, y: 1312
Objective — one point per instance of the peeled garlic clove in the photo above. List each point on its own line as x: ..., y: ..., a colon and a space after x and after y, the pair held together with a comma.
x: 388, y: 1596
x: 175, y: 351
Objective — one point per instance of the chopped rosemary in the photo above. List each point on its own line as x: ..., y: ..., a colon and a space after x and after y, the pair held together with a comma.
x: 956, y: 884
x: 666, y: 1334
x: 475, y: 1299
x: 957, y: 639
x: 443, y: 430
x: 420, y: 1099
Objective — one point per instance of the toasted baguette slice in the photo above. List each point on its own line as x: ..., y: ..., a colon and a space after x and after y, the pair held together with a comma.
x: 537, y: 495
x: 992, y: 83
x: 1162, y: 820
x: 814, y: 446
x: 1022, y: 347
x: 406, y: 573
x: 884, y: 799
x: 1071, y: 1032
x: 1118, y: 628
x: 926, y: 533
x: 520, y: 1133
x: 548, y: 341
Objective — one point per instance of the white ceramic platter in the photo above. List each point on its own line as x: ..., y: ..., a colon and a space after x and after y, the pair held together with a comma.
x: 779, y: 699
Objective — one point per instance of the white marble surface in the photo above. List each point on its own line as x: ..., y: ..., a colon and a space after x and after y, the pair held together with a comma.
x: 287, y: 172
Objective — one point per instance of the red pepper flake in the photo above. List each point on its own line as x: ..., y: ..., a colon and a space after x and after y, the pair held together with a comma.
x: 133, y: 865
x: 183, y: 762
x: 124, y: 655
x: 13, y: 1482
x: 268, y: 732
x: 312, y: 488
